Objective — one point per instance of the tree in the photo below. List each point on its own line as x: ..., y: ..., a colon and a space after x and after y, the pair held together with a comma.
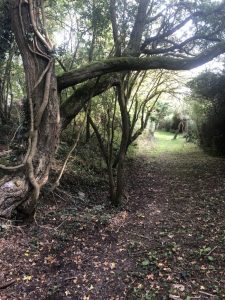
x: 154, y: 38
x: 121, y: 129
x: 35, y: 49
x: 208, y: 110
x: 7, y: 51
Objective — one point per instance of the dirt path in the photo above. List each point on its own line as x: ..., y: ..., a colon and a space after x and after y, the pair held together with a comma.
x: 167, y: 242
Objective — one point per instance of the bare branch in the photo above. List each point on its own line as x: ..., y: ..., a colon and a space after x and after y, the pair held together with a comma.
x: 169, y: 32
x: 179, y: 46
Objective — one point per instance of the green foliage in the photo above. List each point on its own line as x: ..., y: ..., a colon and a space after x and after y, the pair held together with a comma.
x: 208, y: 111
x: 164, y: 143
x: 205, y: 252
x: 85, y: 26
x: 145, y: 263
x: 5, y: 30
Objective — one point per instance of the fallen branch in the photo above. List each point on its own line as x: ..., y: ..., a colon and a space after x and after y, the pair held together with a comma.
x: 7, y: 284
x: 212, y: 250
x: 207, y: 294
x: 70, y: 278
x: 13, y: 168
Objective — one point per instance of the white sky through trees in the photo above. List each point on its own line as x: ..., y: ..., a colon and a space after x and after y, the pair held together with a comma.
x: 67, y: 38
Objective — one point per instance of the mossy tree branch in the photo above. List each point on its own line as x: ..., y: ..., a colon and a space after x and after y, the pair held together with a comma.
x: 120, y: 64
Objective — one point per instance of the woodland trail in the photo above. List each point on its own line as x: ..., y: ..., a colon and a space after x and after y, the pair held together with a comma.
x: 166, y: 242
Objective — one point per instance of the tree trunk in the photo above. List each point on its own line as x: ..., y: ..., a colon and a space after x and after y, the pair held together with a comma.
x: 5, y: 89
x: 112, y: 189
x: 123, y: 146
x: 88, y: 126
x: 21, y: 192
x: 180, y: 127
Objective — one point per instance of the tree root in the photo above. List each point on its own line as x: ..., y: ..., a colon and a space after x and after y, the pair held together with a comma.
x: 12, y: 194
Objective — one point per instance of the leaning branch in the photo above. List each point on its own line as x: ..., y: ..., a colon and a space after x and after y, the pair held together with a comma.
x: 136, y: 64
x: 73, y: 105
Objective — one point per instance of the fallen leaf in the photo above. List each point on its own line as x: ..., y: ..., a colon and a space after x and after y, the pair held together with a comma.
x: 174, y: 297
x: 178, y: 287
x: 67, y: 293
x: 150, y: 276
x: 112, y: 265
x: 27, y: 278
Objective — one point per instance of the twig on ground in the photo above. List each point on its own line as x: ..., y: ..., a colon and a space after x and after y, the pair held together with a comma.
x: 48, y: 227
x: 116, y: 231
x: 57, y: 195
x: 212, y: 250
x: 60, y: 224
x: 70, y: 197
x: 43, y: 226
x: 6, y: 284
x: 70, y: 278
x: 207, y: 294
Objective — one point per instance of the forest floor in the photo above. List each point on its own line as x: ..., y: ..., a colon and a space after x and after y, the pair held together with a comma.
x: 166, y: 242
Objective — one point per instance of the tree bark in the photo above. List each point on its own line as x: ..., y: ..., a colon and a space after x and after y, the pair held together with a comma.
x: 123, y: 144
x: 22, y: 192
x: 73, y: 105
x: 180, y: 127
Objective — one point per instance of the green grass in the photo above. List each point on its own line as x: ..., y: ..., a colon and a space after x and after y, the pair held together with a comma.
x: 164, y: 143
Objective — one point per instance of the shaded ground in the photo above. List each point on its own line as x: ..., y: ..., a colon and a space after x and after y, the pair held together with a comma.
x: 167, y: 242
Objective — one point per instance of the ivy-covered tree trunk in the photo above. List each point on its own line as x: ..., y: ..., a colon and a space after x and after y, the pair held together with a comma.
x: 21, y: 191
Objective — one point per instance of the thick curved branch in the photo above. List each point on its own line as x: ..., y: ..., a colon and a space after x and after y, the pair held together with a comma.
x: 73, y: 105
x: 136, y: 64
x: 100, y: 141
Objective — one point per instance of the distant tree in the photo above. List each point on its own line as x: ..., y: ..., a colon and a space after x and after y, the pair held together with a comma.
x: 208, y: 110
x: 7, y: 50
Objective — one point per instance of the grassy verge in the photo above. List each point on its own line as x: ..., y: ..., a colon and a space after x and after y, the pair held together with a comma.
x: 163, y: 143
